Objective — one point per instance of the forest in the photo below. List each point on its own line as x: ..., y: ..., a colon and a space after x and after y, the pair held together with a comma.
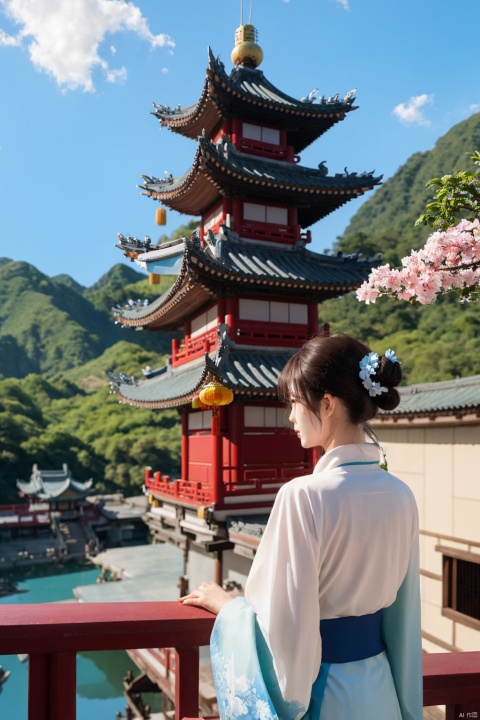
x: 58, y: 340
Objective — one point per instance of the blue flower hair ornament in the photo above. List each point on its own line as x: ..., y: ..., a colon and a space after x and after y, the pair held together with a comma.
x: 369, y: 366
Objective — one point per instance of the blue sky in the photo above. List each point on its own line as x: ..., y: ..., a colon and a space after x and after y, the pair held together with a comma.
x: 77, y: 79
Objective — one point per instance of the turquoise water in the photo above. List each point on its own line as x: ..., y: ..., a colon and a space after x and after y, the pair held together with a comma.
x: 99, y: 674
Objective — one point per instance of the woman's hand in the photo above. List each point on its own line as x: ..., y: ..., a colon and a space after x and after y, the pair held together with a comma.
x: 209, y: 596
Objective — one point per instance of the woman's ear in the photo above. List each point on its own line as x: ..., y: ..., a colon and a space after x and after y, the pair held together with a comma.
x: 329, y: 402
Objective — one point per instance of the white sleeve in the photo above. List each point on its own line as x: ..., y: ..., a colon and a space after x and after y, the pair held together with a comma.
x: 282, y: 589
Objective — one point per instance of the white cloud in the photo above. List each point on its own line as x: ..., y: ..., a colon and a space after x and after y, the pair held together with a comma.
x: 63, y: 38
x: 164, y: 70
x: 411, y: 112
x: 344, y: 3
x: 474, y: 107
x: 8, y: 40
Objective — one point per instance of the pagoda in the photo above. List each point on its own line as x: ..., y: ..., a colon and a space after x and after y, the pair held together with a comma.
x: 58, y: 488
x: 246, y: 296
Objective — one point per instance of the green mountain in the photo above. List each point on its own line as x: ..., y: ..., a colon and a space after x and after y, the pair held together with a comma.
x: 386, y: 222
x: 58, y: 340
x: 436, y: 342
x: 50, y: 325
x: 51, y: 422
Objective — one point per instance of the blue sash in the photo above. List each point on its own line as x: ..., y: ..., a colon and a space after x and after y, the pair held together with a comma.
x: 347, y: 639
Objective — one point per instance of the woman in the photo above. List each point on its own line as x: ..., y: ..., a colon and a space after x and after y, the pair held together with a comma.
x: 339, y: 554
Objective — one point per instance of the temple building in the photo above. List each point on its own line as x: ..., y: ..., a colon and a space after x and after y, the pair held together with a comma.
x: 245, y: 295
x: 56, y: 488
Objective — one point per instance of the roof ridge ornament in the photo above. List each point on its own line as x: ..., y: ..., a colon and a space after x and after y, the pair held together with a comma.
x: 246, y: 52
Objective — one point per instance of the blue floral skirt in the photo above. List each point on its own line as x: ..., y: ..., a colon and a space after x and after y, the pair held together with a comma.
x: 247, y: 687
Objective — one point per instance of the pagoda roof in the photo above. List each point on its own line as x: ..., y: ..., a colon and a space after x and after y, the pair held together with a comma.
x: 247, y: 94
x: 250, y: 373
x: 243, y: 266
x: 219, y: 170
x: 54, y: 485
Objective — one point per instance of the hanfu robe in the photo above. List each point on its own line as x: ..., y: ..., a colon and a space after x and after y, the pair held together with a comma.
x: 340, y: 542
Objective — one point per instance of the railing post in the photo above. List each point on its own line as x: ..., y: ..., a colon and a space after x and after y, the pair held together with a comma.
x: 52, y: 683
x: 38, y: 687
x: 186, y: 682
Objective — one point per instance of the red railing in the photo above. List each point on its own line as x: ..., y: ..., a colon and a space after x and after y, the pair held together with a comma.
x: 188, y: 490
x: 253, y: 332
x: 267, y: 150
x: 194, y: 348
x: 52, y: 634
x: 262, y: 481
x: 287, y: 234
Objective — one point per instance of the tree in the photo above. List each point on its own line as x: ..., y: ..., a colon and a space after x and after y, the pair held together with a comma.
x: 450, y: 259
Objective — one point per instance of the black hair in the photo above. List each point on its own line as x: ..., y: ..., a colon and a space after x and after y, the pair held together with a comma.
x: 332, y: 365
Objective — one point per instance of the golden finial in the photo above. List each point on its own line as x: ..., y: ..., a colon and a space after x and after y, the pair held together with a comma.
x: 246, y: 50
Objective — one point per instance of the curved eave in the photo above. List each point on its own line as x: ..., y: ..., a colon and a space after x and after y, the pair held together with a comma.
x: 181, y: 385
x: 246, y: 268
x: 249, y: 374
x: 169, y: 310
x: 73, y: 489
x: 204, y: 116
x: 213, y: 175
x: 173, y: 312
x: 226, y: 96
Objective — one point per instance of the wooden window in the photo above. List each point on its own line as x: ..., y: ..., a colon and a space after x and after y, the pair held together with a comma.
x: 267, y: 417
x: 298, y: 314
x: 276, y: 215
x: 204, y: 322
x: 201, y: 420
x: 279, y: 312
x: 272, y: 311
x: 265, y: 213
x: 262, y: 134
x: 461, y: 586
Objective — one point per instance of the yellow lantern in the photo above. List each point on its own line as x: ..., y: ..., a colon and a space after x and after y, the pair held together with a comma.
x: 161, y: 216
x: 214, y: 395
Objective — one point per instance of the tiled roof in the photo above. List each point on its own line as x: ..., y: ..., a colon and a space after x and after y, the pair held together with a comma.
x: 254, y: 372
x: 447, y: 397
x: 54, y: 485
x: 256, y: 267
x: 296, y: 265
x: 219, y: 170
x: 251, y: 373
x: 246, y: 93
x: 166, y: 388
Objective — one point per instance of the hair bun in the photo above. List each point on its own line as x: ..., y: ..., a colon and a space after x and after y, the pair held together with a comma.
x: 389, y: 375
x: 389, y: 372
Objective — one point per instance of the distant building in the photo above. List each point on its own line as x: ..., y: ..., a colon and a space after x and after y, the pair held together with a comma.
x: 57, y: 488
